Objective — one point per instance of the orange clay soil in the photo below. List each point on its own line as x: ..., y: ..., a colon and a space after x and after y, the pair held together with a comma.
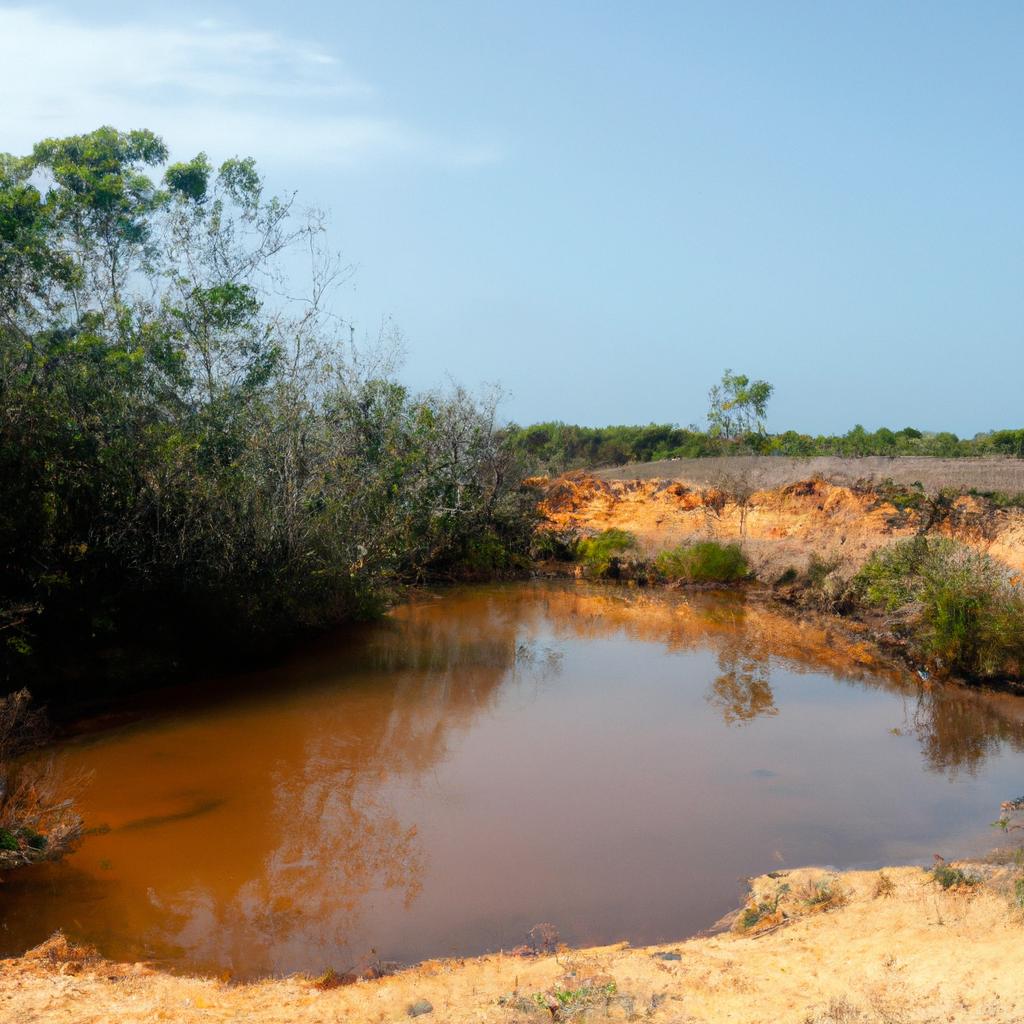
x: 780, y: 527
x: 855, y: 947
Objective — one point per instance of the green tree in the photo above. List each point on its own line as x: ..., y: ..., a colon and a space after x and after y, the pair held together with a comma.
x: 737, y: 405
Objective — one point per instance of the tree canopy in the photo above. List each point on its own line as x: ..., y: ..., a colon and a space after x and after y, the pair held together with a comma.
x: 186, y: 446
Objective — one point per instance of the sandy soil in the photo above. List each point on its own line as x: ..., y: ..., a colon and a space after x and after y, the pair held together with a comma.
x: 781, y: 526
x: 914, y: 954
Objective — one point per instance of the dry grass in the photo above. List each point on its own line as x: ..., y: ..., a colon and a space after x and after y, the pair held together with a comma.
x: 38, y: 820
x: 760, y: 472
x: 922, y: 954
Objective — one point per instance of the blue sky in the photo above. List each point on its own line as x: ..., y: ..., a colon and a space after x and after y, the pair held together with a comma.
x: 601, y: 205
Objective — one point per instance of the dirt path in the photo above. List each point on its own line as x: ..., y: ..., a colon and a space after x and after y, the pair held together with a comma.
x: 913, y: 954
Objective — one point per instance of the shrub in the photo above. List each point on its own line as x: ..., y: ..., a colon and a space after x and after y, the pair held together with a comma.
x: 969, y: 616
x: 600, y: 554
x: 703, y: 562
x: 37, y: 815
x: 787, y: 577
x: 819, y: 569
x: 953, y: 878
x: 554, y: 546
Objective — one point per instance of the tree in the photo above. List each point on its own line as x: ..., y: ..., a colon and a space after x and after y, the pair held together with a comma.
x: 190, y: 444
x: 736, y: 406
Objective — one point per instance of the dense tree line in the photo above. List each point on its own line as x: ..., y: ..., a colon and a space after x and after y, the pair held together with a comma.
x: 186, y: 447
x: 555, y: 446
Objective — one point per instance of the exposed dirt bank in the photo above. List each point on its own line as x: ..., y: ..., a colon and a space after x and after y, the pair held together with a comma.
x: 782, y: 526
x: 904, y: 950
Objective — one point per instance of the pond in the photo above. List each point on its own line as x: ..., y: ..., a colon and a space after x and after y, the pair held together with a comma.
x: 610, y: 761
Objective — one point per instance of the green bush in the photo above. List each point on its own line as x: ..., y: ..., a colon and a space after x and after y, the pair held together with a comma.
x: 967, y: 615
x: 600, y: 554
x: 953, y: 878
x: 703, y: 562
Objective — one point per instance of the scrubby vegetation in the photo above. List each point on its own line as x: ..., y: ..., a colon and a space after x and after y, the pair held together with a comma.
x: 949, y: 877
x: 614, y: 553
x: 601, y: 554
x: 703, y: 562
x: 191, y: 455
x: 37, y: 816
x: 962, y: 610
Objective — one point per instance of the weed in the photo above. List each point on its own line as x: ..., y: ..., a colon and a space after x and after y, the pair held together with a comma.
x: 824, y: 895
x: 954, y: 878
x: 790, y: 575
x: 819, y: 569
x: 571, y: 995
x: 901, y: 496
x: 1001, y: 499
x: 600, y: 555
x: 703, y: 562
x: 757, y: 911
x: 884, y: 886
x: 839, y: 1011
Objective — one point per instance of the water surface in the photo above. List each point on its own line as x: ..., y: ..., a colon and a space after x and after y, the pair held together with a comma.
x: 614, y: 762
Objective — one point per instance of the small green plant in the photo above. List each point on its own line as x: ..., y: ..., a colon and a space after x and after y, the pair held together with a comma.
x: 760, y: 909
x: 17, y: 839
x: 819, y: 569
x: 788, y: 576
x: 953, y: 878
x: 901, y: 496
x: 600, y: 555
x: 567, y: 998
x: 703, y: 562
x: 824, y: 894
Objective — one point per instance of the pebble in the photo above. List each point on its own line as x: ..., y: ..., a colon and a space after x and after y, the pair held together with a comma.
x: 420, y: 1007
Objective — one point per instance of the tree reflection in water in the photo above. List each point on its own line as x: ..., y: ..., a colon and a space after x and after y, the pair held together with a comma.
x: 278, y: 828
x: 742, y: 692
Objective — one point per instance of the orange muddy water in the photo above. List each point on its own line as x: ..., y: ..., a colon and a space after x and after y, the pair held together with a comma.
x: 611, y: 761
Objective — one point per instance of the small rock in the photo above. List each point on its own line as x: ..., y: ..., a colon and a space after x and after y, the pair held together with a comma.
x: 420, y: 1007
x: 667, y: 956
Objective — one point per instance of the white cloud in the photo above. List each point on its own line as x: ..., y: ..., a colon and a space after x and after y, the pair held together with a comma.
x: 203, y: 86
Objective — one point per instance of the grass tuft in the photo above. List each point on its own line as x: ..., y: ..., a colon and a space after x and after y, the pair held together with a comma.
x: 703, y: 562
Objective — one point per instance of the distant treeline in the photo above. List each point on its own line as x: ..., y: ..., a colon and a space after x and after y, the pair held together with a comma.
x: 559, y: 446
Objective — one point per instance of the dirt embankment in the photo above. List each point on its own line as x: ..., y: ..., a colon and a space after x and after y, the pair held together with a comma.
x: 885, y: 946
x: 781, y: 527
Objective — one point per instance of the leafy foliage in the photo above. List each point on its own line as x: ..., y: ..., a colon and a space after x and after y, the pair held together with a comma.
x: 737, y: 405
x: 968, y: 614
x: 600, y: 554
x: 186, y: 451
x: 703, y: 562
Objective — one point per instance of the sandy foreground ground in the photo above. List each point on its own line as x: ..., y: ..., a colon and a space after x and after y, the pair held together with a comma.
x: 890, y: 947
